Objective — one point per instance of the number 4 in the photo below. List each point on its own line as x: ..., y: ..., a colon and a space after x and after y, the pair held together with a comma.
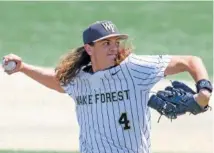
x: 124, y: 120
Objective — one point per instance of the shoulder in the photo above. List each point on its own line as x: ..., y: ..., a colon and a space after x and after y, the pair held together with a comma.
x: 148, y: 59
x: 142, y: 60
x: 76, y: 80
x: 147, y: 63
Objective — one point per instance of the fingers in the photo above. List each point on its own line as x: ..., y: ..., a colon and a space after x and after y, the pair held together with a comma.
x: 164, y: 94
x: 169, y: 88
x: 181, y: 85
x: 175, y: 91
x: 12, y: 57
x: 162, y: 106
x: 177, y: 84
x: 8, y: 72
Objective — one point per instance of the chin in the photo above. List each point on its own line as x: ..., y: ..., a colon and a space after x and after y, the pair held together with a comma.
x: 110, y: 64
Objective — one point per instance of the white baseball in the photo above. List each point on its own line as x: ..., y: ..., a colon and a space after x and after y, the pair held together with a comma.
x: 11, y: 65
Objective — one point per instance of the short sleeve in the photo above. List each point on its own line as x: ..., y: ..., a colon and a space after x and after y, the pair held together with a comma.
x: 147, y: 70
x: 68, y: 88
x: 74, y: 87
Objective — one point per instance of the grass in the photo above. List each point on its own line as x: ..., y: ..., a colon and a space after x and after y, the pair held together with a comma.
x: 40, y: 32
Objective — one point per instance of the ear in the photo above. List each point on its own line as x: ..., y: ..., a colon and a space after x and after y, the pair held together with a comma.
x: 88, y: 49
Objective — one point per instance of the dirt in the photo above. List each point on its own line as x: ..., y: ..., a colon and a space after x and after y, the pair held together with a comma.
x: 34, y: 117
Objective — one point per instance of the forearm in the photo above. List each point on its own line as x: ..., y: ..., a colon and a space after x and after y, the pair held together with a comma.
x: 197, y: 69
x: 44, y: 76
x: 191, y: 64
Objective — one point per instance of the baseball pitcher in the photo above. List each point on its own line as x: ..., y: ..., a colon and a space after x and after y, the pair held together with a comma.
x: 110, y: 86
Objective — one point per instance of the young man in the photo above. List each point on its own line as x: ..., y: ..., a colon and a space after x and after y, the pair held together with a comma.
x: 110, y: 86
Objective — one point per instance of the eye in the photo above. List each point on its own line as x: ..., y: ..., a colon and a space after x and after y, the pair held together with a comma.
x: 106, y: 43
x: 118, y: 43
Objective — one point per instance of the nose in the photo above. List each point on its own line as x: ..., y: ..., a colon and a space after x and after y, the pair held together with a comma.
x: 114, y: 49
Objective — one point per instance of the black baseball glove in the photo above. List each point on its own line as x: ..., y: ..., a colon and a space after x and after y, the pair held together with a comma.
x: 175, y: 100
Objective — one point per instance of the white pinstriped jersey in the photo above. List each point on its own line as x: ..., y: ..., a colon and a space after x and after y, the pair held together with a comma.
x: 111, y: 105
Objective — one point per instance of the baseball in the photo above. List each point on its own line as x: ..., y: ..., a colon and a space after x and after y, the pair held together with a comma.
x: 11, y: 65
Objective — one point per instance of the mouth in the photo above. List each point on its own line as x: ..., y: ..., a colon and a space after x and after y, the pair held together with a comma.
x: 112, y: 57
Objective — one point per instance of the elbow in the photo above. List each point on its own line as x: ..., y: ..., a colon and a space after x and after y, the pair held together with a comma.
x: 194, y: 60
x: 57, y: 89
x: 55, y: 85
x: 60, y: 90
x: 192, y: 63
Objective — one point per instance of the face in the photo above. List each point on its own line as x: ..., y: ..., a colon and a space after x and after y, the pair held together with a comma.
x: 103, y: 53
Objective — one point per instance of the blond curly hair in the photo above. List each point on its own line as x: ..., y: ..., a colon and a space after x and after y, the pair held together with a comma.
x: 72, y: 62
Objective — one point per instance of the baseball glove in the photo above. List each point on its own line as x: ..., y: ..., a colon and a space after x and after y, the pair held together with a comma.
x: 175, y: 100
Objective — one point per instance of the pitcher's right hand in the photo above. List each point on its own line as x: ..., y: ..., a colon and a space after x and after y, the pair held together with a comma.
x: 15, y: 58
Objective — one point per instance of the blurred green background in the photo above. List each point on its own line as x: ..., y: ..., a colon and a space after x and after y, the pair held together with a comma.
x: 40, y: 32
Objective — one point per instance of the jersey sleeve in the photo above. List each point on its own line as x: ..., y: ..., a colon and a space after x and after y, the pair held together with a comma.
x: 147, y: 70
x: 69, y: 88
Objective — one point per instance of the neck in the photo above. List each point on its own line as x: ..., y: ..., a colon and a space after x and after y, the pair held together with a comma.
x: 97, y: 67
x: 94, y: 65
x: 94, y: 68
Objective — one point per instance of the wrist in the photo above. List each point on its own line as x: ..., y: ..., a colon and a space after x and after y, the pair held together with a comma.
x: 204, y: 84
x: 23, y: 67
x: 203, y: 97
x: 204, y: 94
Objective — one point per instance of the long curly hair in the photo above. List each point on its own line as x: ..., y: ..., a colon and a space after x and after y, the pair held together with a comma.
x: 72, y: 62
